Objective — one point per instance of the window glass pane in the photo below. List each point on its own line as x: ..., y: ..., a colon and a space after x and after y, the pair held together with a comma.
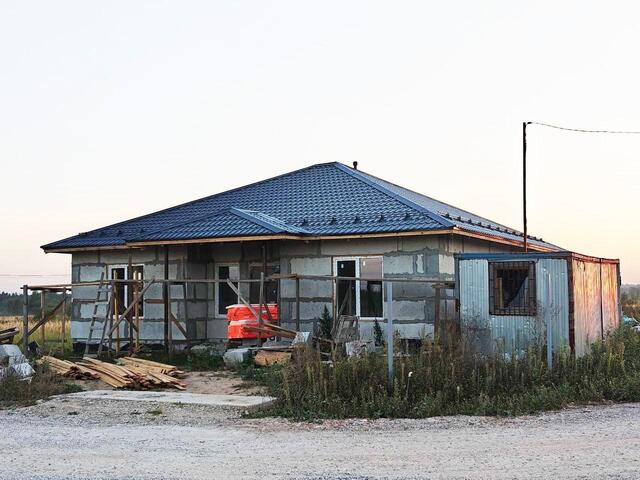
x: 371, y: 290
x: 119, y: 290
x: 270, y: 288
x: 226, y: 296
x: 137, y: 273
x: 346, y: 288
x: 512, y: 288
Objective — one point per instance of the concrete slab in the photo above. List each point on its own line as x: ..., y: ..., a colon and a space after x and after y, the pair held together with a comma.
x: 233, y: 401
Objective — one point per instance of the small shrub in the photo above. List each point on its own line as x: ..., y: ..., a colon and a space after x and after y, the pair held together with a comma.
x: 377, y: 334
x: 326, y: 323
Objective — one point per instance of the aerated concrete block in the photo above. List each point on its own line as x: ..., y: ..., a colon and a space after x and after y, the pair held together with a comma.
x: 311, y: 266
x: 398, y: 265
x: 409, y: 310
x: 90, y: 273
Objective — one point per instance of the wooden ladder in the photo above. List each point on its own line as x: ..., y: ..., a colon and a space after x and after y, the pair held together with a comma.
x: 104, y: 288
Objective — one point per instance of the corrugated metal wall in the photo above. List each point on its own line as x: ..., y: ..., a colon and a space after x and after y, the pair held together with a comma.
x: 595, y: 294
x: 610, y: 296
x: 513, y: 333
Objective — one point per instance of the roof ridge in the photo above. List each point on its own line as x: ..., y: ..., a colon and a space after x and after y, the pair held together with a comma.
x: 381, y: 188
x: 436, y: 200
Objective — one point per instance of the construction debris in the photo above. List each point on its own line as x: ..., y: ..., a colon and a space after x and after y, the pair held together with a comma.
x: 271, y: 357
x: 236, y: 356
x: 132, y: 373
x: 6, y: 335
x: 12, y: 361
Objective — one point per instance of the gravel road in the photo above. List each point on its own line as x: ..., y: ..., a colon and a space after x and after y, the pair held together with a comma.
x: 71, y: 439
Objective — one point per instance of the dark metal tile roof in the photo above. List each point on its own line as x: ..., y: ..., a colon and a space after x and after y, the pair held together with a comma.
x: 324, y: 199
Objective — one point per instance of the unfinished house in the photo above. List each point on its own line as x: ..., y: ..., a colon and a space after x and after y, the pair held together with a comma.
x: 322, y: 236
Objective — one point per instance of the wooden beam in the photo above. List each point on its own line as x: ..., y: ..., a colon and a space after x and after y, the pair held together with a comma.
x: 45, y: 318
x: 123, y: 316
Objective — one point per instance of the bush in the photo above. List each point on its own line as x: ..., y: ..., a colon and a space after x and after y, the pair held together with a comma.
x: 325, y: 323
x: 446, y: 380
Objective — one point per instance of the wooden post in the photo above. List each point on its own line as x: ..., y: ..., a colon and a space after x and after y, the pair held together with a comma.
x: 43, y: 313
x: 63, y: 329
x: 165, y: 297
x: 186, y: 313
x: 170, y: 326
x: 439, y: 326
x: 136, y: 317
x: 297, y: 304
x: 117, y: 332
x: 390, y: 336
x: 261, y: 298
x: 25, y: 319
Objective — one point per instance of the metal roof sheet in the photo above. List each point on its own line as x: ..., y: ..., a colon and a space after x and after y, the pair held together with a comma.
x: 323, y: 199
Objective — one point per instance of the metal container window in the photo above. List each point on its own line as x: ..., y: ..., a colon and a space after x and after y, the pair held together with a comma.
x: 512, y: 288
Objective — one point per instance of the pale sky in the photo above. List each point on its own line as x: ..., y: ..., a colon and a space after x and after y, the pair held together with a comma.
x: 109, y: 110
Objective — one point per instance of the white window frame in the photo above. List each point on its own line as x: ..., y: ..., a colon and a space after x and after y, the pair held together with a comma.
x: 357, y: 262
x: 217, y: 285
x: 125, y: 266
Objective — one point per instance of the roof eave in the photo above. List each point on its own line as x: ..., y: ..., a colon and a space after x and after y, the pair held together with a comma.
x: 446, y: 231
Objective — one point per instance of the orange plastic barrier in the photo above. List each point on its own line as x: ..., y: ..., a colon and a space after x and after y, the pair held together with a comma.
x: 240, y: 316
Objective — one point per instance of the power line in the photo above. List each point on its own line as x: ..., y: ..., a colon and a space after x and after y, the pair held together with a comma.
x: 582, y: 130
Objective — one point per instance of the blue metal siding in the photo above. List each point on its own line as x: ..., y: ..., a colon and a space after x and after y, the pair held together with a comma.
x: 489, y: 333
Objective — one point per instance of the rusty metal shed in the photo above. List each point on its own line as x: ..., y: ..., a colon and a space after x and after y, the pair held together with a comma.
x: 507, y: 301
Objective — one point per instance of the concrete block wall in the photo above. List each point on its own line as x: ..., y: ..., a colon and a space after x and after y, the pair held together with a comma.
x: 88, y: 267
x: 421, y: 257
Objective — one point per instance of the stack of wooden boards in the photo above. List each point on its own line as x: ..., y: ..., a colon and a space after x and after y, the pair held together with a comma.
x: 69, y: 369
x: 131, y: 373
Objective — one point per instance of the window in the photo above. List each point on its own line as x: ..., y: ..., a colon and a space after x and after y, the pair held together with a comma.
x: 270, y: 288
x: 512, y: 288
x: 225, y: 295
x: 123, y: 292
x: 360, y: 297
x: 137, y: 273
x: 119, y: 289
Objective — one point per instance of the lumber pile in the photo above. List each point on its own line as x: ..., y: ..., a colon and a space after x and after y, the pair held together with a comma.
x: 131, y: 373
x: 68, y: 369
x: 6, y: 335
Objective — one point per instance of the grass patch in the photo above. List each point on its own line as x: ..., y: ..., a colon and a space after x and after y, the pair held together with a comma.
x: 155, y: 412
x: 439, y: 380
x: 44, y: 384
x: 188, y: 361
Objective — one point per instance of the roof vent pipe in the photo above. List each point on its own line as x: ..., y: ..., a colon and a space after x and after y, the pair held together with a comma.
x: 355, y: 165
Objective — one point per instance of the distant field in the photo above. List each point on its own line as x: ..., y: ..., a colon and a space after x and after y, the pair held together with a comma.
x: 52, y: 334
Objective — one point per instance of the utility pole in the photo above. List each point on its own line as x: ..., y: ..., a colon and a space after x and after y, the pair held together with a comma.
x: 524, y: 183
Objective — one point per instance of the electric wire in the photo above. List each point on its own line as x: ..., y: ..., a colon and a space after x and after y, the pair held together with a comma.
x: 583, y: 130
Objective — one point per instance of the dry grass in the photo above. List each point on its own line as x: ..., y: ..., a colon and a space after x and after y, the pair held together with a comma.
x: 52, y: 332
x: 44, y: 384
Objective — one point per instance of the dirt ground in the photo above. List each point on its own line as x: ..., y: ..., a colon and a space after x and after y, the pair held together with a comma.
x: 69, y: 438
x: 220, y: 382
